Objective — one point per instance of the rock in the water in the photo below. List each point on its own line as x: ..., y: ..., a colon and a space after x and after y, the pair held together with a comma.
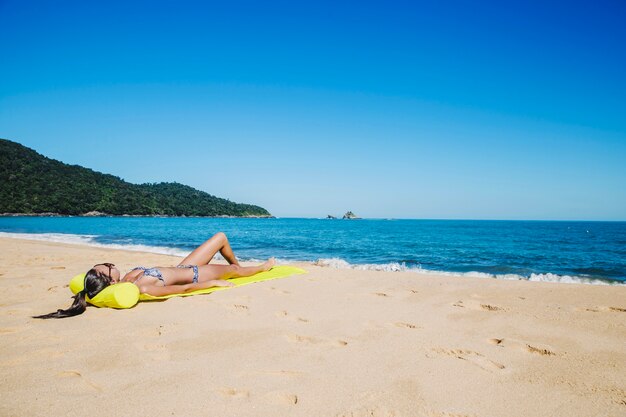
x: 350, y: 216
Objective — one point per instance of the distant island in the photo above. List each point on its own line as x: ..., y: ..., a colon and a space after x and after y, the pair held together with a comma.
x: 32, y: 184
x: 349, y: 216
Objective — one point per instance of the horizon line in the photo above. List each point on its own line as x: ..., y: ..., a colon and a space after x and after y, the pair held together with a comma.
x: 13, y: 215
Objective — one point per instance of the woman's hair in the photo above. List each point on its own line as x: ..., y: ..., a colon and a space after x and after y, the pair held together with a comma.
x: 95, y: 281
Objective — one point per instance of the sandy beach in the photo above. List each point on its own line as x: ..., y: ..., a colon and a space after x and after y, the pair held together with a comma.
x: 332, y: 342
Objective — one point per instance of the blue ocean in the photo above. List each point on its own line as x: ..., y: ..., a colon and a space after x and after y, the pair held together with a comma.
x: 557, y: 251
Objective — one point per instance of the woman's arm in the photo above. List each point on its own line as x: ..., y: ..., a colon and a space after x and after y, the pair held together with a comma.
x: 158, y: 291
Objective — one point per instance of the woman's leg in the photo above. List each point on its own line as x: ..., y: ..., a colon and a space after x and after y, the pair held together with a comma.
x: 203, y: 254
x: 211, y: 272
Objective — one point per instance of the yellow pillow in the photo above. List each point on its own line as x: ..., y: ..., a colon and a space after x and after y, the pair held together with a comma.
x: 121, y: 295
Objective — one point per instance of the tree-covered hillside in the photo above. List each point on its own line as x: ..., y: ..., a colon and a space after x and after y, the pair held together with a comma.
x: 31, y: 183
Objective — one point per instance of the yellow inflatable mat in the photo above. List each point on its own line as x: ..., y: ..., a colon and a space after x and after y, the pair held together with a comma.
x: 126, y: 295
x: 276, y: 272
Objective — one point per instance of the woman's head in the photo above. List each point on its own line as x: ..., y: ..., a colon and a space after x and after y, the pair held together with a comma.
x: 96, y: 279
x: 107, y: 270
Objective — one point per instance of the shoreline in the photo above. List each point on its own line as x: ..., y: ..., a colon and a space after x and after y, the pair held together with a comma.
x: 336, y: 342
x: 333, y: 263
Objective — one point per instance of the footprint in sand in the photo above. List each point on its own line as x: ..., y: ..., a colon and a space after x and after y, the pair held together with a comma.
x: 406, y: 325
x: 475, y: 358
x: 234, y: 392
x: 69, y: 373
x: 478, y: 306
x: 539, y: 351
x: 285, y: 314
x: 490, y: 307
x: 281, y: 398
x: 527, y: 347
x: 76, y: 374
x: 280, y: 291
x: 605, y: 309
x: 57, y: 267
x: 241, y: 307
x: 381, y: 294
x: 309, y: 340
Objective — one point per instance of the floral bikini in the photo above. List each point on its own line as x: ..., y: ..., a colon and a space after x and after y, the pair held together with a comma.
x: 155, y: 272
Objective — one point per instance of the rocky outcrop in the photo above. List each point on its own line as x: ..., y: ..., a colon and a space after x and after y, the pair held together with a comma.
x: 350, y: 216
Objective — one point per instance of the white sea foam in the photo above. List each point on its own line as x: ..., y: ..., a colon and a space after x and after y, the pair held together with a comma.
x: 52, y: 237
x: 338, y: 263
x: 89, y: 240
x: 342, y: 264
x: 402, y: 267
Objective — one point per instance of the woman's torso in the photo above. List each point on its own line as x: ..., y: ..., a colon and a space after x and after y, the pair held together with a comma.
x: 168, y: 276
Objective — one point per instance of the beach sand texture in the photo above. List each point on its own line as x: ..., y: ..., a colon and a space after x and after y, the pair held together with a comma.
x: 329, y: 343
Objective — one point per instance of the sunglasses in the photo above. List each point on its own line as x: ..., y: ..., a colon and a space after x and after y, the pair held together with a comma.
x: 109, y: 265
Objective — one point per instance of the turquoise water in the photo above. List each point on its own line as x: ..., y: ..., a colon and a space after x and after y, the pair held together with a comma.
x: 592, y: 252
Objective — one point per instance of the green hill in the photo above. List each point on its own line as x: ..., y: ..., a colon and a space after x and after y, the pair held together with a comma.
x: 30, y: 183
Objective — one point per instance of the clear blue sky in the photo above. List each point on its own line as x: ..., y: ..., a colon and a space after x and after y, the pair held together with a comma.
x: 482, y: 110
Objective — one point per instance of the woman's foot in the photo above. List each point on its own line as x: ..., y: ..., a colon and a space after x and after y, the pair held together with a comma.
x: 269, y: 264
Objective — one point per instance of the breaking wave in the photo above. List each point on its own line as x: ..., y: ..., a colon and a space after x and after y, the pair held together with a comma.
x: 402, y: 267
x: 90, y: 240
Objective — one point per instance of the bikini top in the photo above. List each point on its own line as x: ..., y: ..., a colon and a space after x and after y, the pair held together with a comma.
x: 151, y: 272
x: 155, y: 272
